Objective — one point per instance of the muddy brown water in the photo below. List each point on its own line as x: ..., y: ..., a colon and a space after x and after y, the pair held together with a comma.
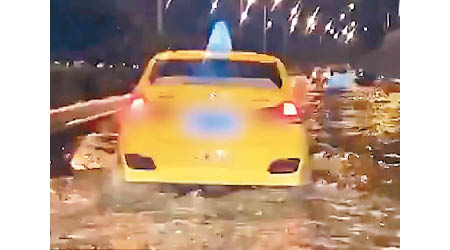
x: 354, y: 202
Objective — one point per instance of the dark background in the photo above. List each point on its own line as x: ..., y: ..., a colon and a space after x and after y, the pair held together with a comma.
x: 125, y: 30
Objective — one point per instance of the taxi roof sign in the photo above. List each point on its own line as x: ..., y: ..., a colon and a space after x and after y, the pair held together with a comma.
x: 220, y: 38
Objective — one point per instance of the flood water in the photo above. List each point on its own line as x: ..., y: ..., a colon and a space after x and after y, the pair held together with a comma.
x: 354, y: 202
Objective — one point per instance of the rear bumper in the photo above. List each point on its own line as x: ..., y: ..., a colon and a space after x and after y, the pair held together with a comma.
x: 219, y: 175
x: 229, y: 162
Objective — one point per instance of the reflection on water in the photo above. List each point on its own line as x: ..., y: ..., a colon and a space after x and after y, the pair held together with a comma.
x: 353, y: 204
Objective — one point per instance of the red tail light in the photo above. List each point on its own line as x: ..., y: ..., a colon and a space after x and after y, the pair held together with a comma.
x: 289, y: 109
x: 135, y: 108
x: 286, y: 111
x: 137, y: 102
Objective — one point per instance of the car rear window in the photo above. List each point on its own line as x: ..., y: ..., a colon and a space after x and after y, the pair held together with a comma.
x: 224, y: 70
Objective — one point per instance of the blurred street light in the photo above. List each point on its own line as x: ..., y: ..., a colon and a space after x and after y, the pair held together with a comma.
x: 351, y: 6
x: 275, y: 4
x: 345, y: 30
x: 269, y: 24
x: 350, y: 36
x: 294, y: 11
x: 311, y: 21
x: 244, y: 14
x: 328, y: 26
x: 168, y: 3
x: 293, y: 24
x: 293, y: 17
x: 388, y: 23
x: 365, y: 28
x: 214, y: 5
x: 100, y: 65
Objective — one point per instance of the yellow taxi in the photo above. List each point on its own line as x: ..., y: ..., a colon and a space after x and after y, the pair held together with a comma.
x: 212, y: 118
x: 215, y: 117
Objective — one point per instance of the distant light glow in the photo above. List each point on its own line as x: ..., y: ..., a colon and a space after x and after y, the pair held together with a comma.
x: 332, y: 31
x: 293, y: 17
x: 311, y: 21
x: 168, y: 4
x: 294, y: 11
x: 214, y: 5
x: 350, y: 36
x: 100, y: 65
x: 269, y: 24
x: 328, y: 26
x: 244, y: 14
x: 365, y: 28
x: 57, y: 62
x: 293, y: 24
x: 336, y: 36
x: 342, y: 16
x: 351, y: 6
x: 345, y: 30
x: 275, y: 4
x: 388, y: 23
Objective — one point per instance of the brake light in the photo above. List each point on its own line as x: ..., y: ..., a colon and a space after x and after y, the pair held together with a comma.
x: 134, y: 109
x: 289, y: 109
x: 285, y: 111
x: 137, y: 103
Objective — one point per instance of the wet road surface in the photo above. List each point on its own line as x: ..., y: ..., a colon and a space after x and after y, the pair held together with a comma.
x: 354, y: 202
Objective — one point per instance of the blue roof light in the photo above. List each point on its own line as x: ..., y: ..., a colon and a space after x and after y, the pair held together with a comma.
x: 220, y: 38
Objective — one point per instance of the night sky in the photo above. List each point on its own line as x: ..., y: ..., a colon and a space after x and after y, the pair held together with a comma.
x: 118, y: 30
